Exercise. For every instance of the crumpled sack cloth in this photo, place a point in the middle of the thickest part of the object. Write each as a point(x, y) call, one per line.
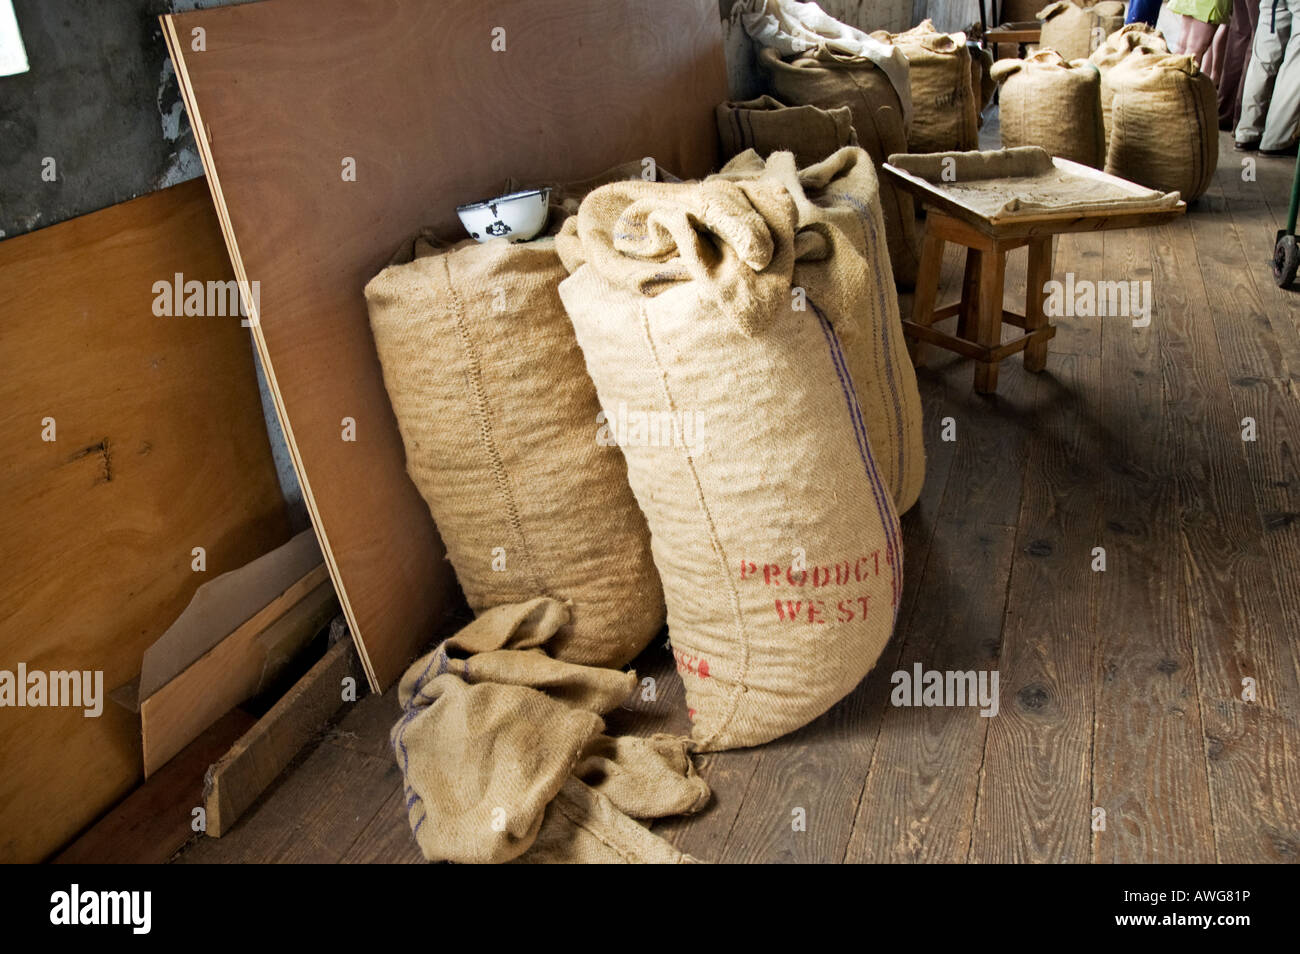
point(505, 758)
point(791, 28)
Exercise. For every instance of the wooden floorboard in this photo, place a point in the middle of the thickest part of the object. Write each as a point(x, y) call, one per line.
point(1121, 689)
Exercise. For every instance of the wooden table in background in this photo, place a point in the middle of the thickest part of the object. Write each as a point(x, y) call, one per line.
point(979, 312)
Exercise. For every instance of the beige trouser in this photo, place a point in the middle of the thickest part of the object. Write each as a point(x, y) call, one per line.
point(1270, 101)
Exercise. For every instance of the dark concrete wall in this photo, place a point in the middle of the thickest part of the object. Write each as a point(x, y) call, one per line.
point(101, 100)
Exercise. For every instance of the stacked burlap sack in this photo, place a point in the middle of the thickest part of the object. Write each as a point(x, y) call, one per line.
point(767, 125)
point(773, 526)
point(1163, 123)
point(1136, 39)
point(742, 298)
point(1075, 29)
point(499, 420)
point(807, 58)
point(1054, 104)
point(945, 103)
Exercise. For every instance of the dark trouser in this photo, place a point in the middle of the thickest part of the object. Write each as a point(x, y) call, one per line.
point(1241, 34)
point(1143, 11)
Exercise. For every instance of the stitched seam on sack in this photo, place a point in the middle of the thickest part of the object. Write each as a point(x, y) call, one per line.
point(738, 689)
point(882, 311)
point(573, 814)
point(884, 503)
point(480, 409)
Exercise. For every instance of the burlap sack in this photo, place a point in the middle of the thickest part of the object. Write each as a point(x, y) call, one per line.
point(1136, 39)
point(841, 198)
point(1164, 124)
point(817, 80)
point(499, 421)
point(1054, 104)
point(944, 105)
point(493, 730)
point(981, 79)
point(775, 534)
point(1075, 30)
point(767, 126)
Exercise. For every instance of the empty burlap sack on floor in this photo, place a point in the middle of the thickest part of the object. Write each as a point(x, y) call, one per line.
point(944, 101)
point(499, 421)
point(773, 530)
point(1075, 30)
point(1136, 39)
point(502, 747)
point(767, 126)
point(1164, 124)
point(819, 80)
point(1054, 104)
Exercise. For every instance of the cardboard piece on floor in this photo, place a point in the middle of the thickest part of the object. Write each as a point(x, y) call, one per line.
point(157, 819)
point(235, 669)
point(240, 776)
point(220, 606)
point(332, 130)
point(130, 438)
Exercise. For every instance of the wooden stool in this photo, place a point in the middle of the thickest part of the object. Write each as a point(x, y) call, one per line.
point(980, 313)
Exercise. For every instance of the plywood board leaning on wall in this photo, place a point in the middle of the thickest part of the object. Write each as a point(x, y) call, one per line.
point(158, 446)
point(332, 130)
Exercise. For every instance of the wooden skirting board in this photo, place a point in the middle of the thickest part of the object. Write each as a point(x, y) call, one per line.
point(159, 447)
point(332, 130)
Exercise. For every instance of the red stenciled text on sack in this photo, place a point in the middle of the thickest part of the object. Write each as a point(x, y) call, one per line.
point(693, 665)
point(811, 609)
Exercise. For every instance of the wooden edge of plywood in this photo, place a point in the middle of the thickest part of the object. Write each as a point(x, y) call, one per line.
point(236, 780)
point(229, 672)
point(177, 52)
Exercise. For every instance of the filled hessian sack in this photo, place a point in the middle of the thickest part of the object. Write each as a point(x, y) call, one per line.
point(819, 79)
point(944, 100)
point(1164, 124)
point(1054, 104)
point(1136, 39)
point(773, 530)
point(499, 421)
point(767, 126)
point(1075, 30)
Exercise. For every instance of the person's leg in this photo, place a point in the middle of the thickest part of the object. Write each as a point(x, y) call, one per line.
point(1213, 61)
point(1284, 109)
point(1265, 58)
point(1252, 21)
point(1236, 46)
point(1196, 38)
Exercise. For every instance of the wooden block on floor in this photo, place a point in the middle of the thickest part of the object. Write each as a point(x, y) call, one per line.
point(240, 776)
point(156, 820)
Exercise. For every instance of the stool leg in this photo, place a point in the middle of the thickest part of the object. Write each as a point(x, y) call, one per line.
point(1038, 274)
point(988, 331)
point(927, 288)
point(967, 318)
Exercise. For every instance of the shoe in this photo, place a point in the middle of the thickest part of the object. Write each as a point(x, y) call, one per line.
point(1250, 145)
point(1284, 151)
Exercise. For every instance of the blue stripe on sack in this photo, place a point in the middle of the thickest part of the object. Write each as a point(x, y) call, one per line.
point(878, 490)
point(869, 223)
